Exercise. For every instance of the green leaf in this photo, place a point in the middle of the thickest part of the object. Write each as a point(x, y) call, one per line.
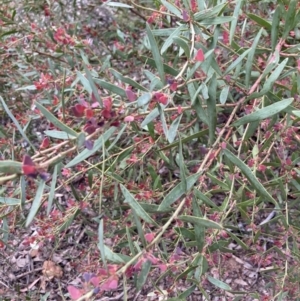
point(216, 20)
point(265, 112)
point(186, 139)
point(58, 135)
point(152, 63)
point(212, 109)
point(275, 27)
point(169, 41)
point(93, 86)
point(260, 21)
point(173, 9)
point(127, 80)
point(144, 99)
point(136, 206)
point(211, 12)
point(52, 189)
point(201, 221)
point(290, 18)
point(36, 203)
point(296, 113)
point(205, 199)
point(114, 257)
point(97, 145)
point(111, 87)
point(182, 166)
point(150, 117)
point(187, 292)
point(173, 129)
point(237, 61)
point(101, 245)
point(80, 139)
point(155, 52)
point(10, 167)
point(10, 201)
point(250, 176)
point(270, 81)
point(199, 230)
point(249, 63)
point(234, 22)
point(218, 283)
point(118, 4)
point(178, 191)
point(86, 84)
point(224, 95)
point(238, 241)
point(15, 121)
point(163, 120)
point(139, 227)
point(184, 45)
point(143, 275)
point(50, 117)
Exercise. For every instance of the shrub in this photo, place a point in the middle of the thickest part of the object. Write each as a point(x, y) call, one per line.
point(174, 141)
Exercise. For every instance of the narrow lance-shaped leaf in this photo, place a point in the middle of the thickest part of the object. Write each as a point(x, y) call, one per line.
point(182, 166)
point(52, 189)
point(217, 20)
point(97, 145)
point(173, 129)
point(142, 277)
point(237, 61)
point(101, 242)
point(201, 221)
point(50, 117)
point(212, 109)
point(184, 45)
point(15, 121)
point(208, 13)
point(199, 230)
point(173, 9)
point(249, 63)
point(262, 22)
point(275, 27)
point(234, 22)
point(178, 191)
point(169, 41)
point(250, 176)
point(290, 17)
point(218, 283)
point(265, 112)
point(155, 52)
point(93, 86)
point(136, 206)
point(36, 203)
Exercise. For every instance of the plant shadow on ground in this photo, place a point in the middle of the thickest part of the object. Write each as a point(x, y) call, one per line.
point(149, 152)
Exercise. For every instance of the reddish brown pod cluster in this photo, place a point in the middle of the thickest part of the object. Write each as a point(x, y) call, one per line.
point(93, 121)
point(33, 170)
